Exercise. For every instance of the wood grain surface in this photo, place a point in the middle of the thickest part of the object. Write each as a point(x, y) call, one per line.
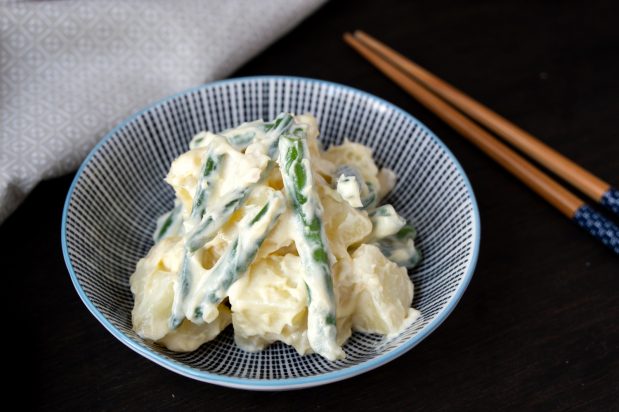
point(537, 329)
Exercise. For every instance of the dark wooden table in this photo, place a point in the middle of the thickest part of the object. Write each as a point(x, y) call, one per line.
point(538, 328)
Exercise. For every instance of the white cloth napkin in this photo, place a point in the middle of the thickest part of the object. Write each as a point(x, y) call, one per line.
point(71, 70)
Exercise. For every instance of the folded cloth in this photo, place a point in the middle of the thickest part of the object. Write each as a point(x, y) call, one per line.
point(71, 70)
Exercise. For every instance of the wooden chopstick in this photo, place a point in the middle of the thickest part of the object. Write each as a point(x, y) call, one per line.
point(541, 183)
point(583, 180)
point(566, 202)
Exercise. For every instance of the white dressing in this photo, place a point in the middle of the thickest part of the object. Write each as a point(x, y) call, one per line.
point(294, 251)
point(348, 188)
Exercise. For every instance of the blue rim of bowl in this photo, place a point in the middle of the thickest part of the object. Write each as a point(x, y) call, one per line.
point(274, 384)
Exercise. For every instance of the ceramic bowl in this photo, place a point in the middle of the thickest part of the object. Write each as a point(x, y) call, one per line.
point(119, 191)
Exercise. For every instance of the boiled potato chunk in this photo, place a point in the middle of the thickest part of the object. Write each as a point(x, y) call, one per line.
point(189, 336)
point(384, 293)
point(269, 303)
point(152, 285)
point(344, 225)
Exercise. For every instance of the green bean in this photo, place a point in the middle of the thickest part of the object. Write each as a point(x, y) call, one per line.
point(241, 141)
point(196, 141)
point(169, 224)
point(181, 292)
point(275, 130)
point(208, 176)
point(393, 236)
point(280, 124)
point(211, 223)
point(385, 222)
point(207, 221)
point(219, 215)
point(382, 211)
point(371, 198)
point(400, 247)
point(367, 190)
point(210, 170)
point(312, 245)
point(237, 258)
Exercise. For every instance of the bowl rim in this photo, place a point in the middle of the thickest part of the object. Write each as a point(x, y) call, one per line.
point(287, 383)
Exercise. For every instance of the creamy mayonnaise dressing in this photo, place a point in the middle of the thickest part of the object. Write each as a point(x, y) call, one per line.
point(278, 237)
point(212, 288)
point(349, 189)
point(385, 222)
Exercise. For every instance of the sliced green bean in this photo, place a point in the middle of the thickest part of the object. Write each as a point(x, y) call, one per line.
point(367, 190)
point(312, 245)
point(237, 258)
point(210, 224)
point(239, 141)
point(400, 247)
point(242, 140)
point(209, 172)
point(217, 216)
point(197, 141)
point(274, 130)
point(371, 198)
point(385, 222)
point(393, 236)
point(181, 291)
point(169, 224)
point(280, 124)
point(208, 220)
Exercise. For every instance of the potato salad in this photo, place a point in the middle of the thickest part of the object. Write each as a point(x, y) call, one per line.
point(280, 238)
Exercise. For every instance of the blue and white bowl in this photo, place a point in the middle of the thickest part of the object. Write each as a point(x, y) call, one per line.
point(119, 191)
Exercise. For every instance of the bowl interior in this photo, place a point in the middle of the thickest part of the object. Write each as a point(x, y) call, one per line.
point(119, 191)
